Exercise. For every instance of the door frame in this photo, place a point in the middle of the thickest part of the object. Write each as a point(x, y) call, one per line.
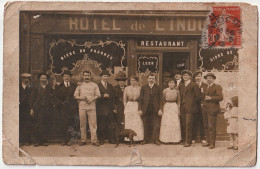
point(192, 48)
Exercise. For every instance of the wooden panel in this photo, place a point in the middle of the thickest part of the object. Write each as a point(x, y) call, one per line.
point(37, 55)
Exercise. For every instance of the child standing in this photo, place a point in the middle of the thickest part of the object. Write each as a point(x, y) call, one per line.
point(232, 115)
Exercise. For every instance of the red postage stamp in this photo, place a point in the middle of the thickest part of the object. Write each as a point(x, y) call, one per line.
point(225, 27)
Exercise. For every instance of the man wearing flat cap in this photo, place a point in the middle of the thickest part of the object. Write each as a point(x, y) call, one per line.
point(105, 108)
point(198, 122)
point(190, 97)
point(25, 120)
point(41, 106)
point(119, 92)
point(66, 105)
point(212, 96)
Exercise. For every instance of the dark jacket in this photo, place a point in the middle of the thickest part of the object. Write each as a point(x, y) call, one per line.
point(40, 97)
point(190, 97)
point(215, 92)
point(65, 95)
point(146, 98)
point(203, 88)
point(24, 96)
point(105, 106)
point(119, 103)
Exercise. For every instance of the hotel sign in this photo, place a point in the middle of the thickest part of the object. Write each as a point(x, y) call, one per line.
point(120, 24)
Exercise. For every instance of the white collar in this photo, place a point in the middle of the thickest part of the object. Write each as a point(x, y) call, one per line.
point(187, 82)
point(24, 85)
point(151, 85)
point(43, 86)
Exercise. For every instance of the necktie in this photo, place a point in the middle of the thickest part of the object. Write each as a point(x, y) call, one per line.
point(106, 85)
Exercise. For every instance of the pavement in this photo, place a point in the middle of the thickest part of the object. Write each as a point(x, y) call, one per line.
point(196, 155)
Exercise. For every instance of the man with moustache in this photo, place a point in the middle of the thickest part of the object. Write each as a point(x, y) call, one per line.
point(198, 123)
point(177, 76)
point(87, 93)
point(66, 105)
point(105, 109)
point(190, 97)
point(41, 105)
point(25, 120)
point(212, 96)
point(119, 92)
point(150, 107)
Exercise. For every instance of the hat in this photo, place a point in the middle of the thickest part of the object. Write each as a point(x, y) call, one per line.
point(67, 72)
point(43, 73)
point(104, 72)
point(25, 75)
point(196, 73)
point(210, 74)
point(186, 71)
point(121, 76)
point(176, 72)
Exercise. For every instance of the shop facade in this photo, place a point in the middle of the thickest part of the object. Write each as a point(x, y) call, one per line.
point(131, 41)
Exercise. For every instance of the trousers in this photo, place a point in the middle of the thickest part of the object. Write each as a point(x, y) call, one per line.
point(90, 117)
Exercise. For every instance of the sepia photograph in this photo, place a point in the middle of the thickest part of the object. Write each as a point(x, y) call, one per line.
point(130, 84)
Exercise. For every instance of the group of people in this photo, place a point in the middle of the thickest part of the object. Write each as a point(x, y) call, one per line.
point(172, 115)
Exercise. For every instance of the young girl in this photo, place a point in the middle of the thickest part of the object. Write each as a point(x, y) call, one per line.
point(170, 131)
point(232, 115)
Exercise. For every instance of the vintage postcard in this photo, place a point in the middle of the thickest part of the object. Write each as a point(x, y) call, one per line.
point(130, 84)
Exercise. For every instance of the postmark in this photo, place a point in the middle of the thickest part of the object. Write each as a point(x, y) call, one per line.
point(224, 29)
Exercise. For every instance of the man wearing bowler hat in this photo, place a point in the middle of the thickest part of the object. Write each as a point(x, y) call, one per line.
point(212, 96)
point(177, 76)
point(119, 92)
point(190, 97)
point(66, 105)
point(105, 108)
point(25, 121)
point(198, 117)
point(41, 106)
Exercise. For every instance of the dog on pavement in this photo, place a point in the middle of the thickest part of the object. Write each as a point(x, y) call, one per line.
point(120, 133)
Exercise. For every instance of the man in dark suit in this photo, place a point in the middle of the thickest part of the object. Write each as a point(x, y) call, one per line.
point(105, 109)
point(66, 105)
point(190, 98)
point(25, 120)
point(41, 105)
point(151, 107)
point(177, 76)
point(119, 92)
point(212, 96)
point(198, 122)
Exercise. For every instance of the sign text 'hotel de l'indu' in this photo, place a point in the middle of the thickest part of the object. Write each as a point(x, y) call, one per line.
point(149, 25)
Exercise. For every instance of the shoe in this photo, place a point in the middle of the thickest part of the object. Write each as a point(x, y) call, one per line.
point(101, 142)
point(82, 143)
point(36, 144)
point(205, 145)
point(193, 141)
point(211, 146)
point(203, 141)
point(187, 145)
point(45, 144)
point(69, 143)
point(27, 144)
point(230, 147)
point(96, 144)
point(63, 143)
point(157, 143)
point(143, 142)
point(235, 148)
